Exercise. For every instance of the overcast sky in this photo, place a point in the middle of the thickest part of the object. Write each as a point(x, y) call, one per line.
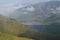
point(11, 5)
point(4, 3)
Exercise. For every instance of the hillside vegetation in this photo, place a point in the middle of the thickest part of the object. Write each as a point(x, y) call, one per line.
point(12, 27)
point(4, 36)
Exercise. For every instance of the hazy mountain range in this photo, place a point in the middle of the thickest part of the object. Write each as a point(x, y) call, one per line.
point(36, 14)
point(40, 21)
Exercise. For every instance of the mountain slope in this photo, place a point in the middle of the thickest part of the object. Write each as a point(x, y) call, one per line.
point(36, 13)
point(53, 24)
point(10, 25)
point(4, 36)
point(55, 18)
point(13, 27)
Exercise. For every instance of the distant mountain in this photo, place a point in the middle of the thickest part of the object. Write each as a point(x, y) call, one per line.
point(53, 24)
point(36, 14)
point(54, 18)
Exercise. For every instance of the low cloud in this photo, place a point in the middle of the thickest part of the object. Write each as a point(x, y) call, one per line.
point(30, 9)
point(9, 7)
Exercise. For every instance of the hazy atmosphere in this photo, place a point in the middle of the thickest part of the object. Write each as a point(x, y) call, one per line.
point(29, 19)
point(7, 6)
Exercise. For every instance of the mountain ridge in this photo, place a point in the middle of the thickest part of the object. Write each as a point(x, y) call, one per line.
point(37, 13)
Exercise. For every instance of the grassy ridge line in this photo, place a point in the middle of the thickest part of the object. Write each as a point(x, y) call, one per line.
point(11, 26)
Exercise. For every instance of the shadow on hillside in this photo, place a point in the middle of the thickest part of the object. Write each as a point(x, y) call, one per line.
point(55, 37)
point(52, 33)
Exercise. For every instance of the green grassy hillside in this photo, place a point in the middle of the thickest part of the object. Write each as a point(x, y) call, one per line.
point(13, 27)
point(4, 36)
